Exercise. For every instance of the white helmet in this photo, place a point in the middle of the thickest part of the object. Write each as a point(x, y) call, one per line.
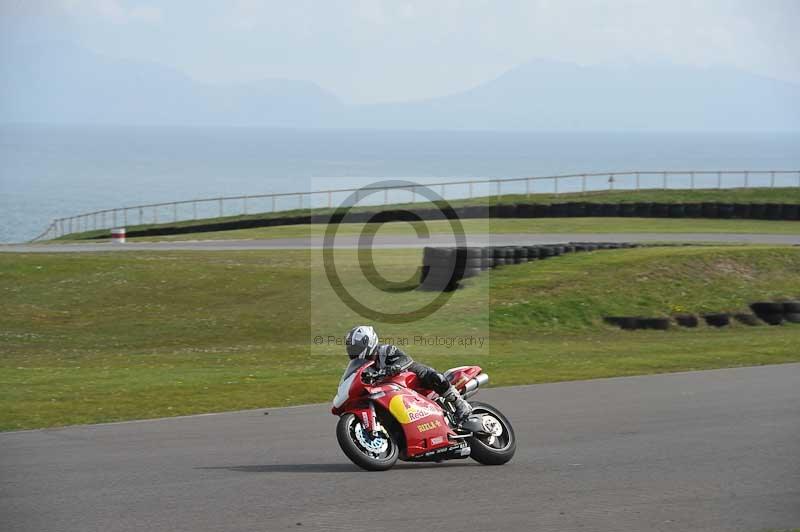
point(361, 341)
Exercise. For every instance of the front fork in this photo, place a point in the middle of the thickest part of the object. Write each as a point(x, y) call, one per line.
point(368, 419)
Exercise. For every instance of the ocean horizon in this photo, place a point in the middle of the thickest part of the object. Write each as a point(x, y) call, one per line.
point(49, 172)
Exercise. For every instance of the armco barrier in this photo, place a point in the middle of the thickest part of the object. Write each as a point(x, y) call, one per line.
point(187, 210)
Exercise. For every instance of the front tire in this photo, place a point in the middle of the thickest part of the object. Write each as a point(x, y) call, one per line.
point(364, 450)
point(493, 449)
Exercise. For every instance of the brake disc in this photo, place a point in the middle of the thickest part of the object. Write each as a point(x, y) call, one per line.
point(373, 444)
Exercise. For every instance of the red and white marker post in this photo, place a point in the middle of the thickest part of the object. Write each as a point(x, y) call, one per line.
point(118, 235)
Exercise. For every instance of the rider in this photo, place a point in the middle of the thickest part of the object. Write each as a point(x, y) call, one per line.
point(362, 342)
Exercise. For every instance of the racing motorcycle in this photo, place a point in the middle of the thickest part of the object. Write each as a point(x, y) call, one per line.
point(386, 418)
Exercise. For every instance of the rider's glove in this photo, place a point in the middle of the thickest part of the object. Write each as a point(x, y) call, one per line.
point(392, 370)
point(374, 376)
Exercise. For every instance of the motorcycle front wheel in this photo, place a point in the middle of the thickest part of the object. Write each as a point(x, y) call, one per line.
point(498, 446)
point(368, 451)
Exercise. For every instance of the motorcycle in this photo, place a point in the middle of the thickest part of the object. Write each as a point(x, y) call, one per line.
point(388, 418)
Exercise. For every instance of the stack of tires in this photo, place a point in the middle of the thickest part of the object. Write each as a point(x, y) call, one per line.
point(630, 323)
point(443, 268)
point(771, 312)
point(775, 313)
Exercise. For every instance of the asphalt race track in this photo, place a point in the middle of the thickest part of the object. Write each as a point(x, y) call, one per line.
point(714, 450)
point(402, 241)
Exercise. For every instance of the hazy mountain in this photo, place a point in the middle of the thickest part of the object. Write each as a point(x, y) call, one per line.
point(557, 96)
point(67, 84)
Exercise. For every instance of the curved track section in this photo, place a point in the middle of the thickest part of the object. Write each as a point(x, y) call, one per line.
point(714, 450)
point(399, 241)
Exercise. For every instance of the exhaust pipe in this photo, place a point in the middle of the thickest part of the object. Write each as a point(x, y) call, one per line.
point(472, 385)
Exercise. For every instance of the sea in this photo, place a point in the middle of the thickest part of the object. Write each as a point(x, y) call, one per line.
point(49, 172)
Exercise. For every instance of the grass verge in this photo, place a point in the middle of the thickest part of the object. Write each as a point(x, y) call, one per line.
point(106, 337)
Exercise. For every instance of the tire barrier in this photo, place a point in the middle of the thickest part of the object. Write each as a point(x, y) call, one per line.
point(658, 324)
point(759, 211)
point(444, 268)
point(687, 320)
point(717, 319)
point(769, 312)
point(660, 210)
point(623, 322)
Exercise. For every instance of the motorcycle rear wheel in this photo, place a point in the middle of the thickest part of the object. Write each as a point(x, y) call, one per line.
point(350, 440)
point(497, 450)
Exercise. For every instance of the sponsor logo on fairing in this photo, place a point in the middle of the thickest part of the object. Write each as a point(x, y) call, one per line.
point(407, 410)
point(425, 427)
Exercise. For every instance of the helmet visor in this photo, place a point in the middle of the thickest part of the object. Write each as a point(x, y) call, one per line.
point(355, 350)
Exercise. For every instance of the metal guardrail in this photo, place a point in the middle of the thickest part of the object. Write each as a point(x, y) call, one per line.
point(153, 213)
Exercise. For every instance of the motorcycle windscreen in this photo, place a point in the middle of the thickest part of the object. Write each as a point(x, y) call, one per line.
point(347, 381)
point(352, 367)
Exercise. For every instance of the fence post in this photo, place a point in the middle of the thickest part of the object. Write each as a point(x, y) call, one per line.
point(194, 210)
point(330, 200)
point(273, 203)
point(746, 179)
point(719, 179)
point(470, 187)
point(220, 207)
point(155, 215)
point(386, 196)
point(300, 200)
point(772, 179)
point(555, 184)
point(125, 217)
point(94, 221)
point(141, 216)
point(114, 215)
point(637, 180)
point(664, 183)
point(583, 183)
point(102, 220)
point(691, 182)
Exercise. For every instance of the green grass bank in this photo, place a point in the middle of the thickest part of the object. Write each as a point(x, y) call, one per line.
point(96, 337)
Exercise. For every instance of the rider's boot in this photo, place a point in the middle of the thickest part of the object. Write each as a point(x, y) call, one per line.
point(463, 408)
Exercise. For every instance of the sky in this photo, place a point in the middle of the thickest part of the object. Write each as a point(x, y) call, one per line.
point(371, 51)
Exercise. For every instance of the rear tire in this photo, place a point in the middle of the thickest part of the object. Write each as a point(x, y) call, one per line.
point(346, 434)
point(486, 454)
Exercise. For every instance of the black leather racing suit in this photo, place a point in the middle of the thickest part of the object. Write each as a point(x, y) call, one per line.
point(391, 360)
